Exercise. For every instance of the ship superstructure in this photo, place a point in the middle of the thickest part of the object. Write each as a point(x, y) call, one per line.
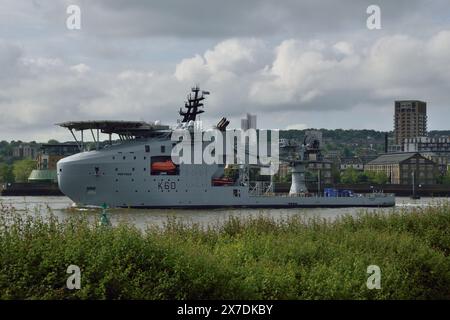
point(139, 171)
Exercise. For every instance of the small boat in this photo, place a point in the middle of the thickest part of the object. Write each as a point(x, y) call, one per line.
point(164, 166)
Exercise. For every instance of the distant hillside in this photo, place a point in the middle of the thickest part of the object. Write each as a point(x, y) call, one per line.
point(338, 135)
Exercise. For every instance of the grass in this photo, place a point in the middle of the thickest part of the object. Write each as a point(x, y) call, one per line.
point(257, 258)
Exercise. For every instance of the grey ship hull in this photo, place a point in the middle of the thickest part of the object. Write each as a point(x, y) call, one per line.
point(120, 176)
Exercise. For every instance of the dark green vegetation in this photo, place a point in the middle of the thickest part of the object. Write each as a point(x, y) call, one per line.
point(17, 172)
point(353, 176)
point(252, 259)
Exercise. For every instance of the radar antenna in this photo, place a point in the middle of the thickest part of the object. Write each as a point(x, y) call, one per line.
point(193, 102)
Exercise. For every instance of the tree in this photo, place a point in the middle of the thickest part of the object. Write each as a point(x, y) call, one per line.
point(381, 178)
point(377, 177)
point(446, 178)
point(363, 177)
point(335, 173)
point(22, 169)
point(6, 173)
point(350, 176)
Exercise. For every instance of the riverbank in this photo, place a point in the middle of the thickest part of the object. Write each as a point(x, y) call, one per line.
point(256, 258)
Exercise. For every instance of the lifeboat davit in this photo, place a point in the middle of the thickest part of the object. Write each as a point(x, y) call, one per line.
point(164, 166)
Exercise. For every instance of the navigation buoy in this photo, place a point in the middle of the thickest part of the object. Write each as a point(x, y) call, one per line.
point(104, 218)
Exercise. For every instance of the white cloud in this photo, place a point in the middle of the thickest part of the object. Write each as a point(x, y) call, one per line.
point(297, 126)
point(80, 68)
point(243, 75)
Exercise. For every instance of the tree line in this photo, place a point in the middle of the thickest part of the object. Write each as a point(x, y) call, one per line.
point(19, 171)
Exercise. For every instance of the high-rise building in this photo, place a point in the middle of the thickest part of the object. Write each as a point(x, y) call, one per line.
point(410, 120)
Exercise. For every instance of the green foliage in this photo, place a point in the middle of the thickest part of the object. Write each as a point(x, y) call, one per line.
point(336, 173)
point(22, 169)
point(445, 179)
point(6, 173)
point(352, 176)
point(258, 258)
point(381, 178)
point(349, 175)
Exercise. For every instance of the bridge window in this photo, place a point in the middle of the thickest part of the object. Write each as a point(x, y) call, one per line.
point(147, 149)
point(163, 149)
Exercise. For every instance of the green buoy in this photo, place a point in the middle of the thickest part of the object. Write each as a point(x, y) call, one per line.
point(104, 218)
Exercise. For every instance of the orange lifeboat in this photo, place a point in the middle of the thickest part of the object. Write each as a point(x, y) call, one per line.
point(163, 166)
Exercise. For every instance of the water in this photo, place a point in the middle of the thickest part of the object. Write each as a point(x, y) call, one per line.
point(142, 218)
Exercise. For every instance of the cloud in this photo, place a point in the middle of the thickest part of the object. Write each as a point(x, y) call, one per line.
point(297, 126)
point(291, 63)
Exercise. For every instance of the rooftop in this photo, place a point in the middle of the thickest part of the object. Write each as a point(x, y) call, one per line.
point(389, 158)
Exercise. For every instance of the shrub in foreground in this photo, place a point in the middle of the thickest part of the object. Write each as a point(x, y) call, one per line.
point(257, 258)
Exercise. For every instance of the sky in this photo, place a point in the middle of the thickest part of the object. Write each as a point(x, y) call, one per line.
point(295, 63)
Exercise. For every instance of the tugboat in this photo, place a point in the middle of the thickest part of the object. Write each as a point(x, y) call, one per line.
point(138, 171)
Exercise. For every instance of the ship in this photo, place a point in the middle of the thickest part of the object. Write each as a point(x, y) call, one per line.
point(138, 170)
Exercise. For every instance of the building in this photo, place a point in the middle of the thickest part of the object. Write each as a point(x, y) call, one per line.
point(354, 163)
point(284, 170)
point(435, 149)
point(333, 156)
point(322, 168)
point(47, 158)
point(249, 122)
point(400, 168)
point(410, 120)
point(427, 144)
point(25, 151)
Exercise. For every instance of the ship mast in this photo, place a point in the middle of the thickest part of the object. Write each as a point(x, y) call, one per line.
point(194, 101)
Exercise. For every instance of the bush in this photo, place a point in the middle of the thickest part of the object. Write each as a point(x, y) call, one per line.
point(256, 258)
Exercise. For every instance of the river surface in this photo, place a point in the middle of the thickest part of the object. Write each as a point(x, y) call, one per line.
point(143, 218)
